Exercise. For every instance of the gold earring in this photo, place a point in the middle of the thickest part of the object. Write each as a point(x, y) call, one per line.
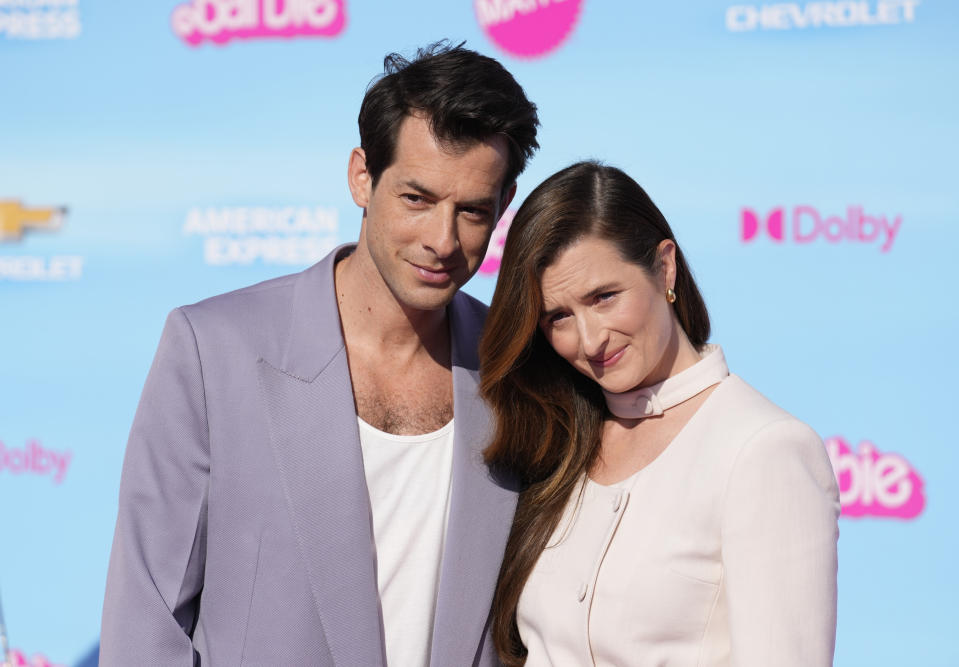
point(670, 295)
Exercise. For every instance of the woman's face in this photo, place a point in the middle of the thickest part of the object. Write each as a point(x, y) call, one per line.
point(608, 317)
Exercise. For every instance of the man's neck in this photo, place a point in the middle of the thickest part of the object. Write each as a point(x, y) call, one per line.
point(373, 319)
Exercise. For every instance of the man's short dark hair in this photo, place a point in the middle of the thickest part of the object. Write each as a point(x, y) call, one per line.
point(466, 97)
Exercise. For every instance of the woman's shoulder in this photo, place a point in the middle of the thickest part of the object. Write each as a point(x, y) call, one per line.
point(773, 454)
point(736, 391)
point(753, 444)
point(741, 413)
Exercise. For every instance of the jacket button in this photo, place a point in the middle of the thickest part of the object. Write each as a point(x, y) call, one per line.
point(583, 588)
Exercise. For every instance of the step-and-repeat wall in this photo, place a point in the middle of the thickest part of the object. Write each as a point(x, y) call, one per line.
point(152, 154)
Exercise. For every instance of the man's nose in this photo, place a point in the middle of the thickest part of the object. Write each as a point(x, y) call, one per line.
point(441, 234)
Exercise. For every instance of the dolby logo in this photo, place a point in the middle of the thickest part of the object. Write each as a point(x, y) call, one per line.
point(806, 224)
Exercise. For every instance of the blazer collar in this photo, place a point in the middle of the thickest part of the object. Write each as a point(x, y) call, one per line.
point(315, 335)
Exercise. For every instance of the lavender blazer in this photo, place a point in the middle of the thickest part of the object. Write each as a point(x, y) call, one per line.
point(244, 533)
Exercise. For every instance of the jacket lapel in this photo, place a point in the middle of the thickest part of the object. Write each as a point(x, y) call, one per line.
point(481, 510)
point(315, 440)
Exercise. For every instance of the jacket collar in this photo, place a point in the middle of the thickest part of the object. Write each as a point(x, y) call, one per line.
point(315, 336)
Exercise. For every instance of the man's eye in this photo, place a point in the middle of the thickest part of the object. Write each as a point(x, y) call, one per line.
point(476, 212)
point(413, 199)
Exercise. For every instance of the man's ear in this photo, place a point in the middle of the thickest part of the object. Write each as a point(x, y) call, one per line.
point(360, 180)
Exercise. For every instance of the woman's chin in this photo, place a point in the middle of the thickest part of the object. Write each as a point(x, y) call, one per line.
point(613, 387)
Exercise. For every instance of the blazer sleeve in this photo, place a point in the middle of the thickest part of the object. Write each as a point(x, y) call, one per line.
point(156, 564)
point(779, 549)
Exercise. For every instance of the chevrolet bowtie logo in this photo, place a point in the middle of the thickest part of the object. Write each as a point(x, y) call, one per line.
point(14, 218)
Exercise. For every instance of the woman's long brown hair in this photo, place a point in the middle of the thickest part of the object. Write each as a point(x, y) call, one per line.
point(549, 417)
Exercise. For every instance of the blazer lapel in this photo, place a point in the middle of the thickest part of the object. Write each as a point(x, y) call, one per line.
point(315, 440)
point(481, 510)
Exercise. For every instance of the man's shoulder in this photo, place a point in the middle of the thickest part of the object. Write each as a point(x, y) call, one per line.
point(269, 299)
point(247, 314)
point(240, 301)
point(470, 308)
point(261, 316)
point(468, 315)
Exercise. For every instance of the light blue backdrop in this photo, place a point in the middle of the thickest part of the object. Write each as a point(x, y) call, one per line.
point(131, 130)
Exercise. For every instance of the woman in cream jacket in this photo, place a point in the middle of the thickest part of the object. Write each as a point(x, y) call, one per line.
point(671, 515)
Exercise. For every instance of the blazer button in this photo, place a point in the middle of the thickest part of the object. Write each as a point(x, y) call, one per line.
point(583, 588)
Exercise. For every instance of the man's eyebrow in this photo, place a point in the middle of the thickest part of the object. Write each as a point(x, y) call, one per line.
point(483, 202)
point(596, 291)
point(422, 189)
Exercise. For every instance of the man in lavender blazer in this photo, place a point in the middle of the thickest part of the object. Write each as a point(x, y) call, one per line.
point(246, 533)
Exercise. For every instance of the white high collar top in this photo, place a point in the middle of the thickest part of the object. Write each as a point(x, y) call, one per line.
point(653, 400)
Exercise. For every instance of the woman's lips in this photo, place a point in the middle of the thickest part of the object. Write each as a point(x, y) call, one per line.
point(606, 362)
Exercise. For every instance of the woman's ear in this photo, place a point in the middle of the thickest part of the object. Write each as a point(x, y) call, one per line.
point(666, 253)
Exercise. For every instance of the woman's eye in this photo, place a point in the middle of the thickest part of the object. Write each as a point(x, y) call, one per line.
point(605, 296)
point(556, 317)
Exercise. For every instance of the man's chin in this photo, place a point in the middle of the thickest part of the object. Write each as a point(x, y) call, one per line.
point(429, 298)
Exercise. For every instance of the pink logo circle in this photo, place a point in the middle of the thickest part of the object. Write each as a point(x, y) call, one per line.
point(527, 28)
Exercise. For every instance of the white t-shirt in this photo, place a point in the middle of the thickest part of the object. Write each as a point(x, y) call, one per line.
point(408, 477)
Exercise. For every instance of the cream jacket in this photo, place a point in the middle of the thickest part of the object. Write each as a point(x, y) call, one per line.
point(720, 552)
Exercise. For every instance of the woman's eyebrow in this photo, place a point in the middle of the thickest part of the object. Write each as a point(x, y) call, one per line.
point(594, 292)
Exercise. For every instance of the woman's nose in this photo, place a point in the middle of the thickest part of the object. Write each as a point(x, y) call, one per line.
point(593, 335)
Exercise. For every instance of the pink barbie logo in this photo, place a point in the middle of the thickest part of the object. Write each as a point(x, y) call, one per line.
point(222, 20)
point(807, 225)
point(875, 484)
point(527, 28)
point(33, 459)
point(494, 254)
point(18, 659)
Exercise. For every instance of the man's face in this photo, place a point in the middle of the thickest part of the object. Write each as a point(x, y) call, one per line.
point(429, 218)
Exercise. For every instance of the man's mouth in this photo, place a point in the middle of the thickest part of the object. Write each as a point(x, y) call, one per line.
point(433, 274)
